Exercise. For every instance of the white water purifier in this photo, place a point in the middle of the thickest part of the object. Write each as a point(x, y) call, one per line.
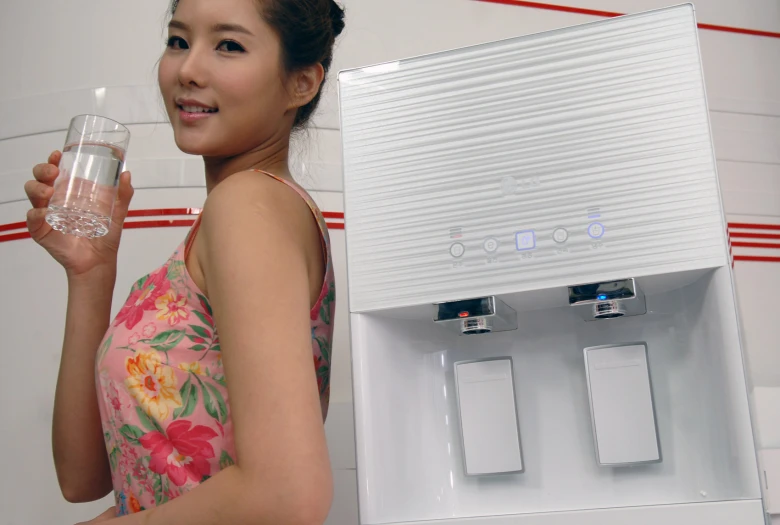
point(543, 321)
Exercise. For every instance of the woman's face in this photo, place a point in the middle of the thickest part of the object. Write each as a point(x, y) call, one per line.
point(222, 78)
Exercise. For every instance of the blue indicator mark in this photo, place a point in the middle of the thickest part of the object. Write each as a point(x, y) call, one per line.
point(596, 230)
point(593, 213)
point(525, 240)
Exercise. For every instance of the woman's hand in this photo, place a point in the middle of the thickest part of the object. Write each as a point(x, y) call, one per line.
point(108, 515)
point(78, 255)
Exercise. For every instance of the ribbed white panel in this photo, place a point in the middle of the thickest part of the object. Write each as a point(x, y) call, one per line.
point(530, 134)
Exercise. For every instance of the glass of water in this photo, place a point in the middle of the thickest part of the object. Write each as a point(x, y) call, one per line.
point(86, 187)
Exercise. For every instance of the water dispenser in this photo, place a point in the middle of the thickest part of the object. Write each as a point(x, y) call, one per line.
point(544, 329)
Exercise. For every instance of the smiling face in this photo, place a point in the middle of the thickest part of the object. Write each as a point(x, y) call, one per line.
point(222, 78)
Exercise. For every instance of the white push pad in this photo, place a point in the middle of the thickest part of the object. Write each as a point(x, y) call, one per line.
point(769, 461)
point(621, 404)
point(488, 417)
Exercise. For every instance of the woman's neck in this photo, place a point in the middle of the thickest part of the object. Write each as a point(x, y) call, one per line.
point(270, 157)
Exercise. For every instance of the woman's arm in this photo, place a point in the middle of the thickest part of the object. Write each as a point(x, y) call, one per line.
point(257, 244)
point(79, 450)
point(80, 457)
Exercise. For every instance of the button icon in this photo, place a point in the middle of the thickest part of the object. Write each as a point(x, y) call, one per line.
point(596, 230)
point(508, 185)
point(525, 240)
point(560, 235)
point(457, 249)
point(490, 245)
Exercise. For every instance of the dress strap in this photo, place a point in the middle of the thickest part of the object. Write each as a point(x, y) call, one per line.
point(191, 236)
point(320, 219)
point(324, 236)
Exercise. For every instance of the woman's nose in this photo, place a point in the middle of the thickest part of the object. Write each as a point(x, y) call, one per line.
point(192, 72)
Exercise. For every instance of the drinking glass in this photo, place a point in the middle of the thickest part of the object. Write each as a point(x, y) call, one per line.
point(86, 187)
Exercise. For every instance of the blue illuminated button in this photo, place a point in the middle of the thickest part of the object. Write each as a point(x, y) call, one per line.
point(525, 240)
point(596, 230)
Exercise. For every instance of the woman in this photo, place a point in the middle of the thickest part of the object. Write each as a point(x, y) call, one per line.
point(212, 380)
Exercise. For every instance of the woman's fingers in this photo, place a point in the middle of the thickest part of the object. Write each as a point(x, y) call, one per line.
point(39, 193)
point(36, 223)
point(123, 198)
point(46, 173)
point(55, 157)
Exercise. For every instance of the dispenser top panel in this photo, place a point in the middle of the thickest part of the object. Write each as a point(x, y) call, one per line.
point(577, 155)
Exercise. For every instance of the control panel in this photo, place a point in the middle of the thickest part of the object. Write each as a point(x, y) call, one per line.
point(586, 232)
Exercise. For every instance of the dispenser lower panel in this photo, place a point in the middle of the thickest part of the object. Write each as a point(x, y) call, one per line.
point(488, 417)
point(411, 411)
point(621, 405)
point(726, 513)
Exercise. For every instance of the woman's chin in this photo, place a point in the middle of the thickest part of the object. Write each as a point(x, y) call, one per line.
point(194, 147)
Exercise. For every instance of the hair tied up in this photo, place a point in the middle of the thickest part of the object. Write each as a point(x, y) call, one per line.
point(337, 18)
point(307, 31)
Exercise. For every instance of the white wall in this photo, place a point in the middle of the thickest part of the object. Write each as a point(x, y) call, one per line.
point(62, 58)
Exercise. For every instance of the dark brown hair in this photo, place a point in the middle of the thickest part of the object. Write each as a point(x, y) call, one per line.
point(307, 30)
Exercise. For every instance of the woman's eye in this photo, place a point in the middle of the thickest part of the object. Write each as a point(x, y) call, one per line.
point(176, 42)
point(230, 46)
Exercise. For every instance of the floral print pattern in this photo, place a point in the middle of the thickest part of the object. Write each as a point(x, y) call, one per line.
point(142, 298)
point(181, 454)
point(171, 307)
point(163, 396)
point(152, 384)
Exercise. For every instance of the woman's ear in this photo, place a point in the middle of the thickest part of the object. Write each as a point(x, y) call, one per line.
point(304, 84)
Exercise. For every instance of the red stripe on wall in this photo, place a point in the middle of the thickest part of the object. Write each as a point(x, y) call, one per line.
point(555, 7)
point(14, 236)
point(739, 30)
point(748, 226)
point(748, 235)
point(770, 245)
point(12, 226)
point(756, 258)
point(610, 14)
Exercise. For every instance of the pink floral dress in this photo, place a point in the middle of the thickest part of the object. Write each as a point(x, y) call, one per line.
point(162, 393)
